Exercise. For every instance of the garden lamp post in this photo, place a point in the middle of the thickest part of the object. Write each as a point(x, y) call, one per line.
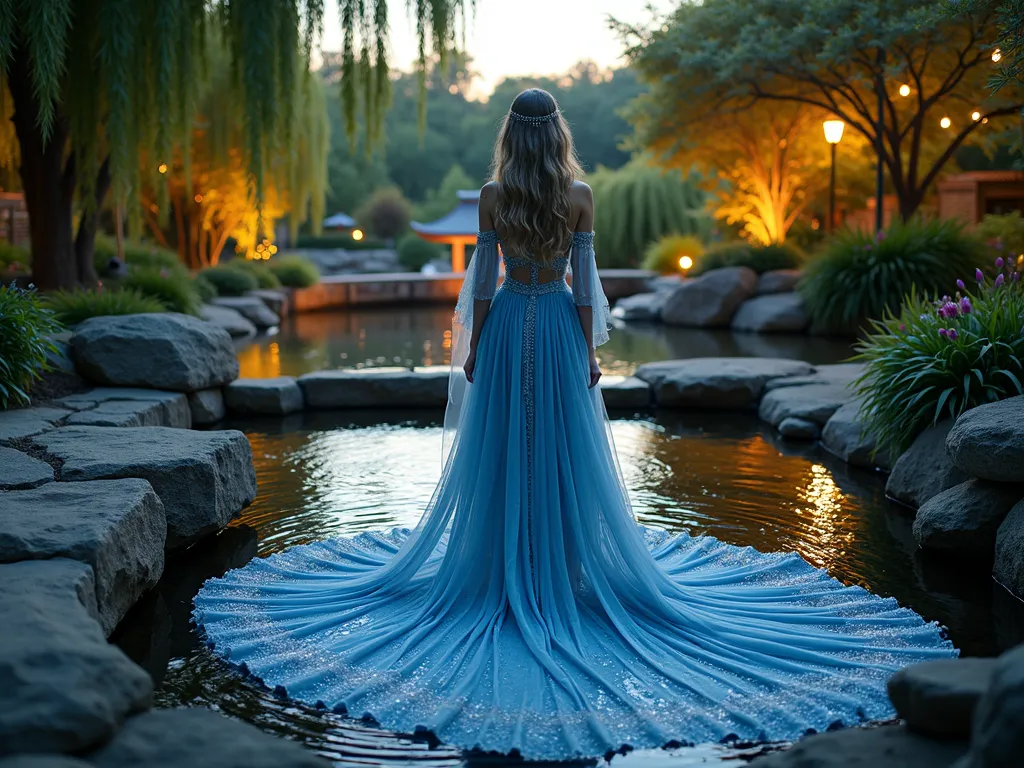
point(833, 135)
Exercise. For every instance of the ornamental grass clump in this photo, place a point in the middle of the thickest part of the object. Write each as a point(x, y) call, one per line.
point(25, 330)
point(174, 288)
point(74, 306)
point(938, 358)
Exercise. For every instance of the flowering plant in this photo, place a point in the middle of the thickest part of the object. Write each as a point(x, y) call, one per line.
point(936, 359)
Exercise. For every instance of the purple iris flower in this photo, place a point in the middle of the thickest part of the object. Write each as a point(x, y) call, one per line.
point(1000, 279)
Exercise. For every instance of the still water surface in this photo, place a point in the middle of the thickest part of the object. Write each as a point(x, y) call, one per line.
point(324, 475)
point(422, 336)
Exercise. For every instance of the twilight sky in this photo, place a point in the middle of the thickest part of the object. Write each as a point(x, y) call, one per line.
point(520, 37)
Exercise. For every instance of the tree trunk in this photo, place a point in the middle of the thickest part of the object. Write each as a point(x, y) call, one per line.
point(85, 240)
point(49, 191)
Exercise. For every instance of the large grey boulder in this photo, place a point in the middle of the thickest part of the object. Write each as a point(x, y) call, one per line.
point(376, 387)
point(625, 392)
point(19, 471)
point(203, 478)
point(988, 441)
point(814, 402)
point(999, 717)
point(924, 469)
point(963, 520)
point(117, 527)
point(230, 320)
point(159, 351)
point(207, 406)
point(846, 436)
point(641, 306)
point(716, 382)
point(1008, 568)
point(710, 301)
point(128, 407)
point(264, 397)
point(63, 687)
point(937, 698)
point(773, 313)
point(252, 308)
point(880, 747)
point(174, 738)
point(778, 281)
point(25, 422)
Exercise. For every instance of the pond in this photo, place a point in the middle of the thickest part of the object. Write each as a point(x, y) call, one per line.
point(422, 336)
point(328, 474)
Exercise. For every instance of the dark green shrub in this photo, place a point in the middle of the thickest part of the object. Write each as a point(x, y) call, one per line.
point(258, 269)
point(333, 242)
point(174, 288)
point(861, 277)
point(663, 256)
point(230, 281)
point(71, 307)
point(936, 359)
point(136, 254)
point(294, 271)
point(207, 291)
point(414, 253)
point(760, 258)
point(386, 214)
point(1003, 234)
point(25, 327)
point(14, 259)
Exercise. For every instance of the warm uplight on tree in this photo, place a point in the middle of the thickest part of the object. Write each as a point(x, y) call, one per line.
point(945, 122)
point(357, 234)
point(685, 262)
point(162, 167)
point(975, 115)
point(904, 90)
point(997, 55)
point(833, 131)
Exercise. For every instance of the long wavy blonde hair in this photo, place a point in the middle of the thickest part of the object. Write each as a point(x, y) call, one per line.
point(534, 166)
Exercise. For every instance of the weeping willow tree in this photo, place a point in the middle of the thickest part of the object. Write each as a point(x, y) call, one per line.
point(640, 203)
point(98, 86)
point(205, 195)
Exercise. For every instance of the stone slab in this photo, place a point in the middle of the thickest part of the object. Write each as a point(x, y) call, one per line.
point(641, 306)
point(843, 374)
point(230, 320)
point(164, 350)
point(252, 308)
point(376, 387)
point(964, 520)
point(117, 527)
point(128, 407)
point(1008, 568)
point(197, 737)
point(276, 300)
point(19, 471)
point(204, 479)
point(772, 313)
point(25, 422)
point(999, 717)
point(625, 392)
point(938, 698)
point(207, 406)
point(716, 382)
point(846, 436)
point(65, 688)
point(799, 429)
point(890, 746)
point(924, 469)
point(814, 402)
point(264, 397)
point(988, 441)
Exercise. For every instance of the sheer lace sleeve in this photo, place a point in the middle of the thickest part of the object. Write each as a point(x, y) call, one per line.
point(481, 280)
point(586, 284)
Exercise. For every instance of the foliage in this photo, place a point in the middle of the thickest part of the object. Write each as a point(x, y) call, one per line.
point(258, 269)
point(1003, 233)
point(332, 242)
point(414, 252)
point(760, 258)
point(230, 281)
point(720, 58)
point(663, 254)
point(25, 328)
point(294, 271)
point(386, 214)
point(441, 200)
point(860, 276)
point(136, 254)
point(936, 359)
point(206, 290)
point(174, 288)
point(78, 304)
point(14, 258)
point(640, 203)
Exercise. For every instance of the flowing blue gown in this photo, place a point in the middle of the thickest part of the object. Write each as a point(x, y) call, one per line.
point(528, 611)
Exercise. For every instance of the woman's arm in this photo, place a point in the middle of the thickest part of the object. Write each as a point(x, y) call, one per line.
point(489, 273)
point(583, 199)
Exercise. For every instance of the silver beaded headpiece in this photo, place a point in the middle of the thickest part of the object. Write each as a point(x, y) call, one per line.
point(530, 120)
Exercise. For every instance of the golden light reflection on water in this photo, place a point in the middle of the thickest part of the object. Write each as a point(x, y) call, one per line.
point(826, 516)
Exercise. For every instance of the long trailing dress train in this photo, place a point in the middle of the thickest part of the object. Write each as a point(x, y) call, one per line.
point(528, 611)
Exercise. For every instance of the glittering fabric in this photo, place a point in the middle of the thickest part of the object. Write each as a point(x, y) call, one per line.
point(529, 611)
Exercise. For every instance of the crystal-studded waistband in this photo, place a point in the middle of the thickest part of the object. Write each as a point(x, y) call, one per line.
point(513, 285)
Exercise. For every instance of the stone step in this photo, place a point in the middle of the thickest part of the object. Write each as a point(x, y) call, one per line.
point(128, 407)
point(264, 397)
point(376, 387)
point(19, 471)
point(716, 382)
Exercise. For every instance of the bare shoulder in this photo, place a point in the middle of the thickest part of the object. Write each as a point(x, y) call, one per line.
point(488, 195)
point(581, 194)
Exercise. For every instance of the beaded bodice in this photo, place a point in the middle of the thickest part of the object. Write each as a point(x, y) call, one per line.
point(486, 241)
